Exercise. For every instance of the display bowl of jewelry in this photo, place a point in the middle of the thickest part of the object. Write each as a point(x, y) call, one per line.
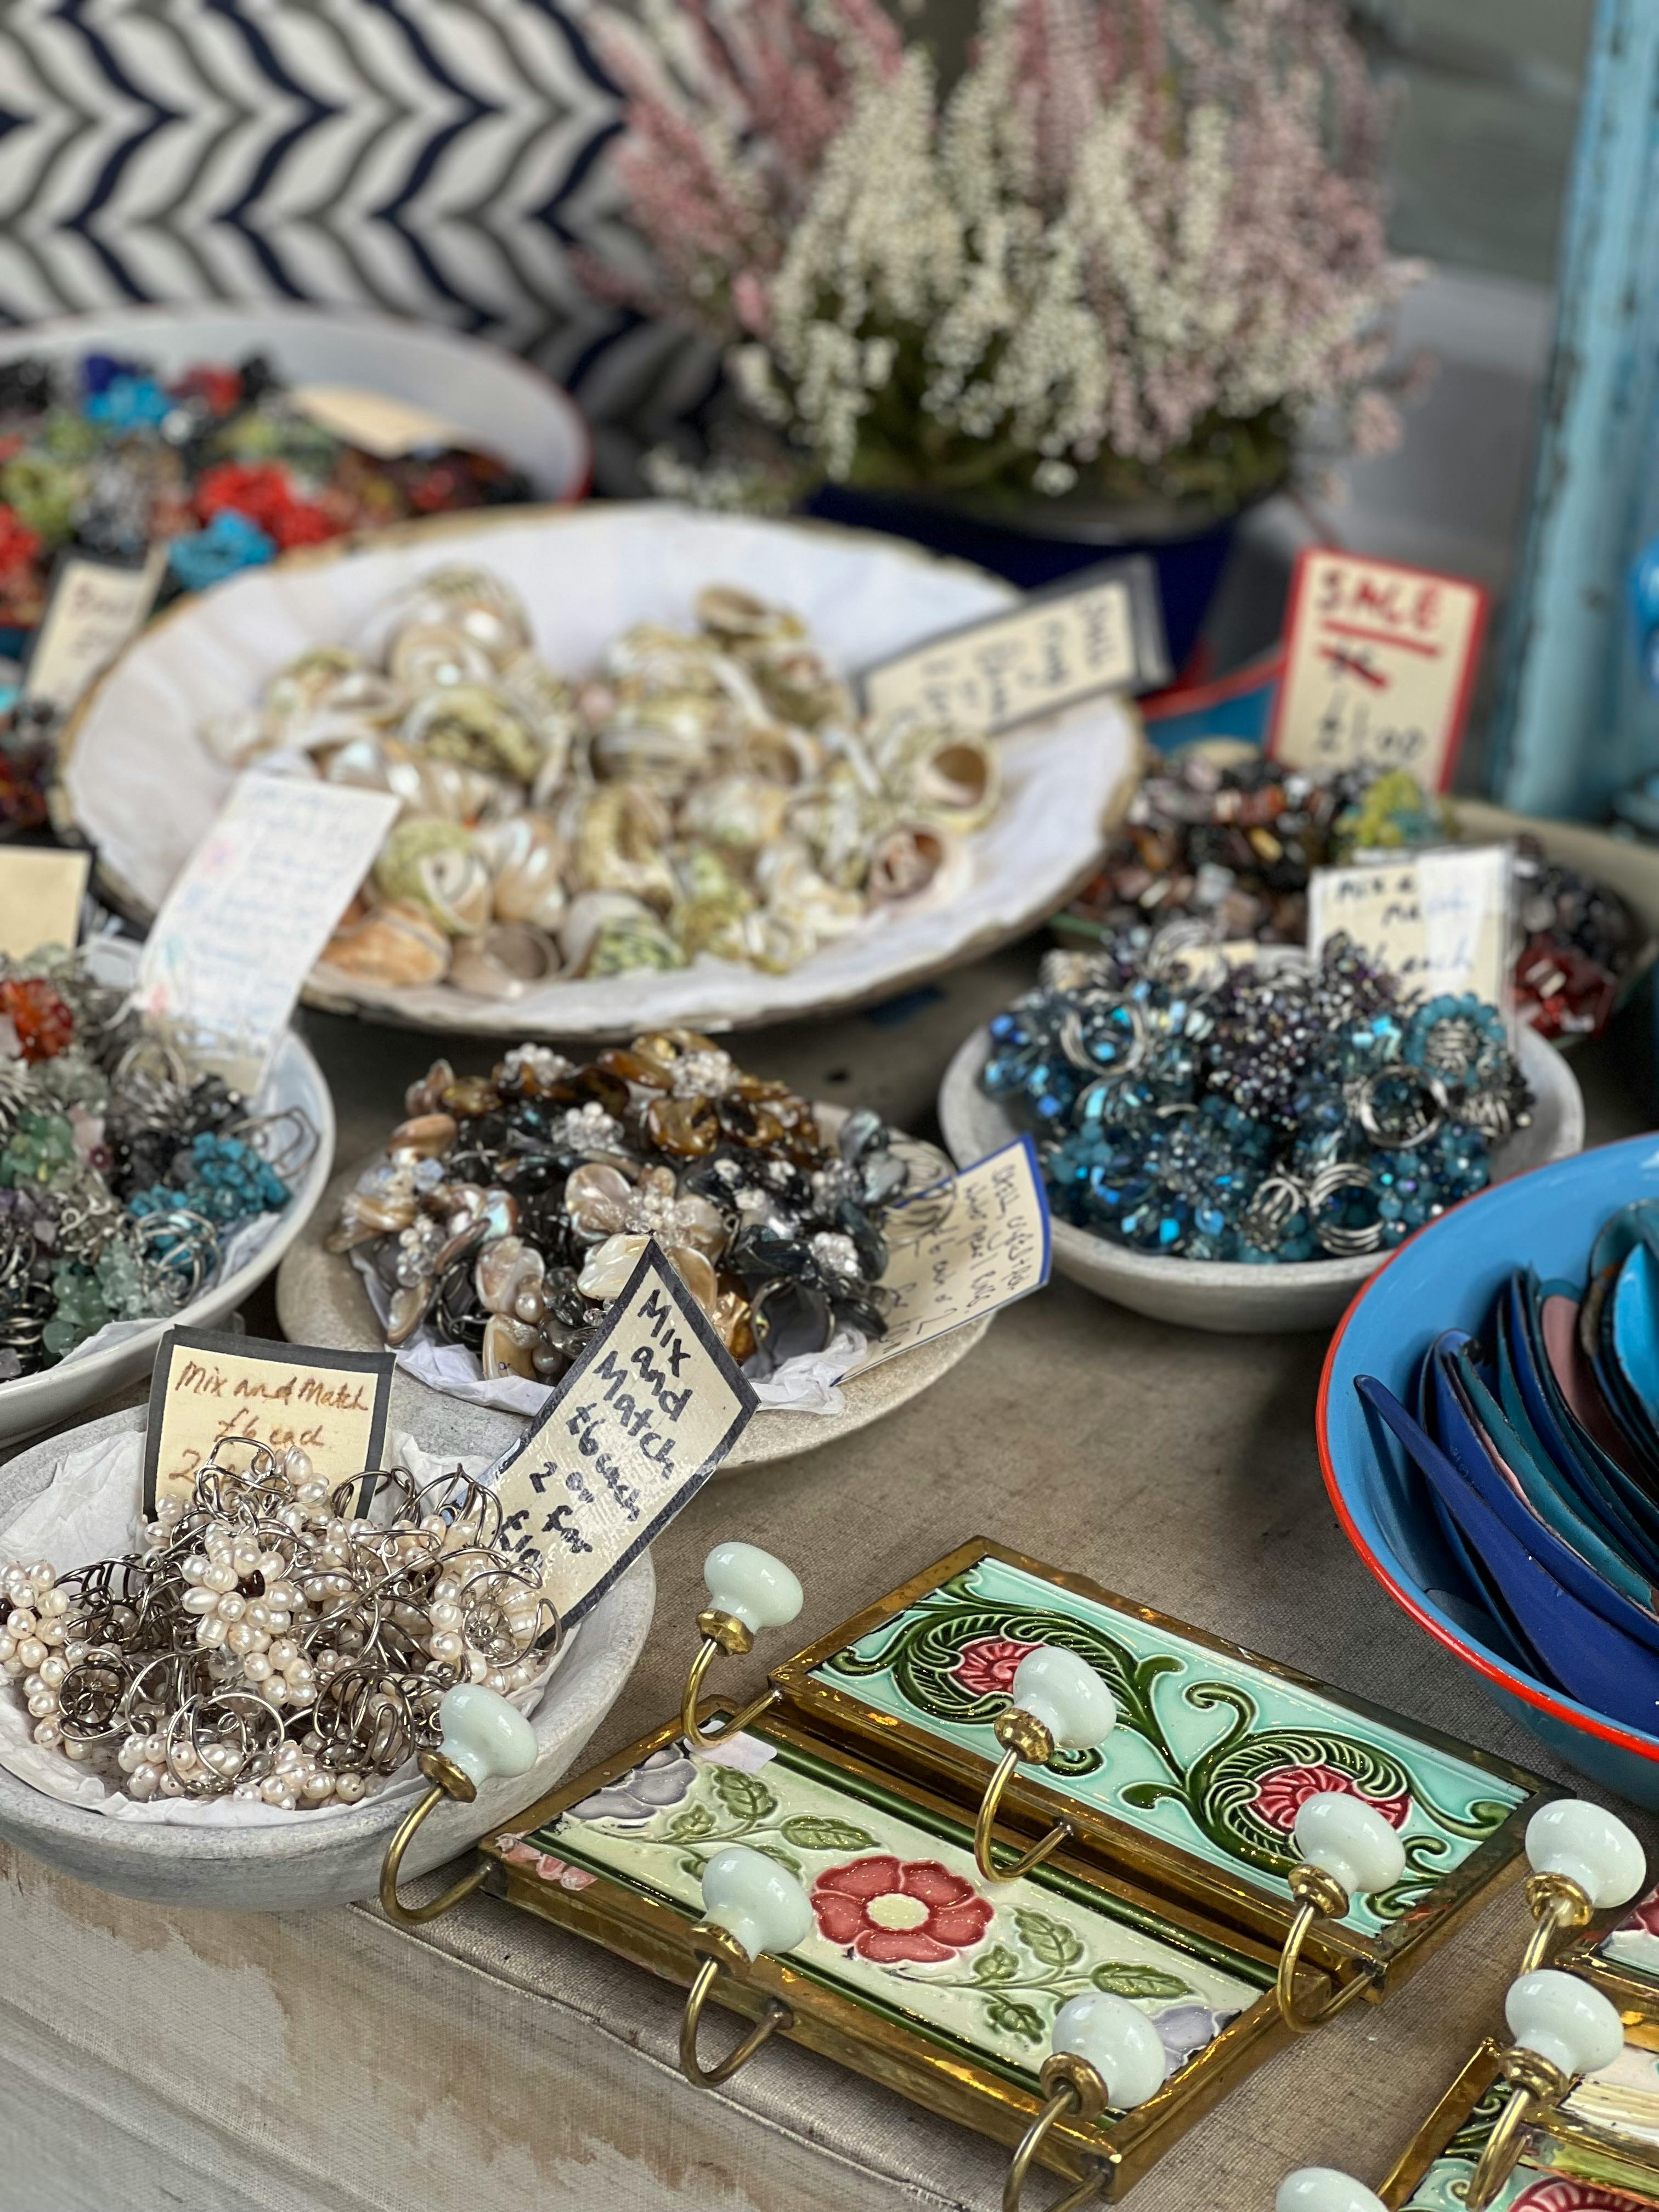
point(137, 1190)
point(1233, 840)
point(223, 1706)
point(485, 1245)
point(230, 434)
point(1236, 1145)
point(638, 788)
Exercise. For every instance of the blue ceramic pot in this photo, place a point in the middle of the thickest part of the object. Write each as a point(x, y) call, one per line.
point(1188, 559)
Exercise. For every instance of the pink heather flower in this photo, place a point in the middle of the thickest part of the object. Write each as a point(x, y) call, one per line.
point(1123, 224)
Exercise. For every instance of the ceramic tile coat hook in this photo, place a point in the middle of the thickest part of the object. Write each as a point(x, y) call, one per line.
point(1584, 1860)
point(483, 1736)
point(1105, 2054)
point(751, 1905)
point(1058, 1704)
point(1322, 2189)
point(1562, 2028)
point(1347, 1850)
point(748, 1590)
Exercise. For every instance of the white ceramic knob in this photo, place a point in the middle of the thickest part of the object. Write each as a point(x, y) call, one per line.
point(1348, 1839)
point(482, 1733)
point(1565, 2021)
point(751, 1584)
point(1065, 1694)
point(1121, 2043)
point(1591, 1846)
point(1322, 2189)
point(756, 1901)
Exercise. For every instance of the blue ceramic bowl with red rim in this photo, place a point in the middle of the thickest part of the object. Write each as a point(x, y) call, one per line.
point(1446, 1277)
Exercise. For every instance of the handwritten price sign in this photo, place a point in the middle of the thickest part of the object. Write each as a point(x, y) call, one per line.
point(1102, 632)
point(991, 1248)
point(1439, 919)
point(1379, 661)
point(207, 1385)
point(641, 1421)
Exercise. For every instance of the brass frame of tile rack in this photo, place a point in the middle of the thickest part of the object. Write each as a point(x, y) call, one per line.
point(1636, 1993)
point(1557, 2142)
point(920, 2064)
point(1032, 1806)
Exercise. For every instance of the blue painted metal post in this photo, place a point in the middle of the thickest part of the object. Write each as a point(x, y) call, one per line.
point(1574, 721)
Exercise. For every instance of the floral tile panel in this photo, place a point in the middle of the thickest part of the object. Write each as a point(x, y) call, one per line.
point(1634, 1943)
point(901, 1916)
point(1623, 2098)
point(1209, 1753)
point(1444, 2188)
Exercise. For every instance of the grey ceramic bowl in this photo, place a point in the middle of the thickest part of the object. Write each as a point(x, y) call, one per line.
point(320, 1299)
point(1227, 1296)
point(314, 1859)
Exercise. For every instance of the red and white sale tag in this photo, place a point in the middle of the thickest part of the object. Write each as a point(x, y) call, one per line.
point(1379, 665)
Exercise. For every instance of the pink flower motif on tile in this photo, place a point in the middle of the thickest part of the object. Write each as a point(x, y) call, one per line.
point(987, 1667)
point(1569, 2197)
point(887, 1909)
point(520, 1852)
point(1281, 1794)
point(1644, 1919)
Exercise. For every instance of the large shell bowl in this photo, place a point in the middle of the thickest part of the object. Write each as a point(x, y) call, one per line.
point(145, 786)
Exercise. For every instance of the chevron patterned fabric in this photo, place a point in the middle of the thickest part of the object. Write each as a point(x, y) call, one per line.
point(433, 158)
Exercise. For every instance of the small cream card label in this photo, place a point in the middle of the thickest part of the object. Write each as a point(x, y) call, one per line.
point(990, 1248)
point(1379, 664)
point(1439, 919)
point(252, 909)
point(1102, 631)
point(638, 1426)
point(92, 607)
point(208, 1385)
point(375, 420)
point(41, 892)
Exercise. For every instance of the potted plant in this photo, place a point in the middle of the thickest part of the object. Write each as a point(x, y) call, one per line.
point(1104, 292)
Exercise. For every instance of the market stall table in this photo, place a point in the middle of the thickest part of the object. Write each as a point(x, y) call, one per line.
point(332, 2062)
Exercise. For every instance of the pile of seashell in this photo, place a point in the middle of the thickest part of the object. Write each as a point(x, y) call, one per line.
point(271, 1642)
point(510, 1209)
point(711, 792)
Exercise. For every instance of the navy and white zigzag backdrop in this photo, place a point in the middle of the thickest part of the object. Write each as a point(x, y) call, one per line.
point(435, 158)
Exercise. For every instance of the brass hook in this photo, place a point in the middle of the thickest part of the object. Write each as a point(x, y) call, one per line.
point(1023, 1738)
point(448, 1780)
point(721, 1632)
point(1072, 2086)
point(1319, 1896)
point(1537, 2085)
point(1559, 1906)
point(717, 1950)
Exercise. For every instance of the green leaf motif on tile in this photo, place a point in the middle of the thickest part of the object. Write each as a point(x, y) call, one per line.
point(809, 1832)
point(1021, 2019)
point(696, 1820)
point(693, 1867)
point(999, 1964)
point(744, 1793)
point(784, 1859)
point(1051, 1940)
point(1120, 1979)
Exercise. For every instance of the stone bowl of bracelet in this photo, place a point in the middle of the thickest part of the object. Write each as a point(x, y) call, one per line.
point(1237, 1147)
point(262, 1776)
point(137, 1193)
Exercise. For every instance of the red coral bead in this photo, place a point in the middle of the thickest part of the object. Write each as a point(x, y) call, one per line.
point(43, 1022)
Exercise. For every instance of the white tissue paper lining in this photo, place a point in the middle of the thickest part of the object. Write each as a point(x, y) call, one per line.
point(806, 1384)
point(92, 1509)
